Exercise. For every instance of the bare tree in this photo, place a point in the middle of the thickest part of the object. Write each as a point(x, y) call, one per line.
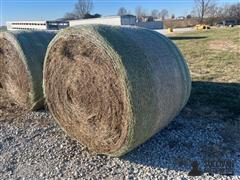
point(234, 10)
point(212, 14)
point(82, 10)
point(139, 12)
point(70, 16)
point(155, 13)
point(163, 14)
point(220, 12)
point(228, 10)
point(203, 8)
point(213, 11)
point(122, 11)
point(83, 7)
point(224, 11)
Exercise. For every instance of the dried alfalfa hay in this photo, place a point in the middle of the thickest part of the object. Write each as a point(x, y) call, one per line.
point(112, 88)
point(21, 61)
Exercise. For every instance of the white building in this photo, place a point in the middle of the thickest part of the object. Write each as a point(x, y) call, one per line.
point(36, 25)
point(109, 20)
point(56, 25)
point(28, 25)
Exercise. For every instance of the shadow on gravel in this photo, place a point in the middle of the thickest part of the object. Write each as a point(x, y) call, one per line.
point(207, 129)
point(186, 37)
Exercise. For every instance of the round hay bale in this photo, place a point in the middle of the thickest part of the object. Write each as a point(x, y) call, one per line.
point(21, 62)
point(112, 88)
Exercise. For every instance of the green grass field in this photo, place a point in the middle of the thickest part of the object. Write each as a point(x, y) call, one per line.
point(213, 57)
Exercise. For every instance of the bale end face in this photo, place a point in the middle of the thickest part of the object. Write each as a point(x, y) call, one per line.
point(21, 60)
point(89, 98)
point(14, 77)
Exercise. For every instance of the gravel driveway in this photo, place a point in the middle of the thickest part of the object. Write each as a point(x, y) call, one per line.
point(176, 30)
point(32, 146)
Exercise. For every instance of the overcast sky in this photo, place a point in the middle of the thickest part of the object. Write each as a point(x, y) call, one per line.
point(53, 9)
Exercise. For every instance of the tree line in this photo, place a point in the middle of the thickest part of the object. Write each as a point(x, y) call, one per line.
point(82, 10)
point(141, 13)
point(210, 9)
point(201, 10)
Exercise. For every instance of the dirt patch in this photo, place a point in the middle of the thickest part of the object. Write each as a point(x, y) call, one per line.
point(223, 45)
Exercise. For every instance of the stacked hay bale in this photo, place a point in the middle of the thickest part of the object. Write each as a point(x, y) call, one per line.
point(21, 61)
point(112, 88)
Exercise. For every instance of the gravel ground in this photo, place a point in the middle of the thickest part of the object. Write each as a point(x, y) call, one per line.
point(32, 146)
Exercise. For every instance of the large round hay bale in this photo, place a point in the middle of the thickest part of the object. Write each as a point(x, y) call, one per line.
point(21, 61)
point(112, 88)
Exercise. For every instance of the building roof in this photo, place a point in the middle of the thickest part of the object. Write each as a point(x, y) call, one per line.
point(105, 17)
point(26, 21)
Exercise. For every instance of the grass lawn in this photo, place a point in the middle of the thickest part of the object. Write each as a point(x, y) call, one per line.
point(213, 57)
